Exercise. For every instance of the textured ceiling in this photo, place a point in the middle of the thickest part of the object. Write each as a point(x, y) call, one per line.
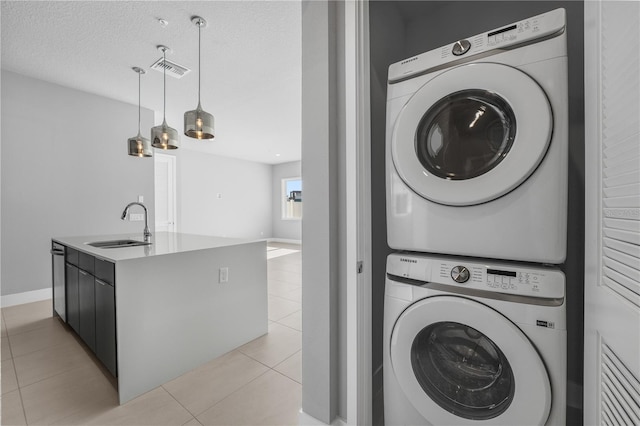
point(251, 63)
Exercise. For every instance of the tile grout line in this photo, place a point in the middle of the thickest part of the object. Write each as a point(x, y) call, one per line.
point(24, 410)
point(13, 333)
point(43, 379)
point(291, 300)
point(48, 377)
point(15, 372)
point(274, 368)
point(299, 284)
point(11, 352)
point(54, 345)
point(270, 368)
point(179, 403)
point(216, 403)
point(237, 390)
point(284, 375)
point(250, 357)
point(288, 326)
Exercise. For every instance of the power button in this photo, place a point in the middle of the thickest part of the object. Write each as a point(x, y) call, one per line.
point(461, 47)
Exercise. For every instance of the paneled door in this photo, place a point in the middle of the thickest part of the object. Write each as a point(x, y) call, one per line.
point(165, 192)
point(612, 203)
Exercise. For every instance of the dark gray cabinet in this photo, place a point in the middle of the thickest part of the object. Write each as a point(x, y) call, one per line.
point(106, 324)
point(87, 308)
point(91, 303)
point(71, 290)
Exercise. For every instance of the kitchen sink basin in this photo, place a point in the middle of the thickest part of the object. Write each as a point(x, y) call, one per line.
point(117, 243)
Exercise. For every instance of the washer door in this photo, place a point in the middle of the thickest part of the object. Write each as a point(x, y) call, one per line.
point(460, 362)
point(472, 134)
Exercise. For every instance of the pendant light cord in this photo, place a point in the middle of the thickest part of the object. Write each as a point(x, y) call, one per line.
point(164, 84)
point(139, 76)
point(199, 58)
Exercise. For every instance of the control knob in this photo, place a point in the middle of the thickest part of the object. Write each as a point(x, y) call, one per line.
point(460, 274)
point(461, 47)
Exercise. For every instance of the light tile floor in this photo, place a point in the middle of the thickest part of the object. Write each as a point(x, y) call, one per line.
point(50, 377)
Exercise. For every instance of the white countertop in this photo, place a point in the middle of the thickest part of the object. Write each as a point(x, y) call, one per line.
point(162, 243)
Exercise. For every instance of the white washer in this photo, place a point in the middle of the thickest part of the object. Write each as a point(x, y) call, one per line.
point(473, 343)
point(477, 145)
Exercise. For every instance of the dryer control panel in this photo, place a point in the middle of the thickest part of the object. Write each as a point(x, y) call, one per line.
point(502, 277)
point(526, 31)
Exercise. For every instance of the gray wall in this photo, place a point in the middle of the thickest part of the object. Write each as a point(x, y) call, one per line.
point(245, 204)
point(65, 172)
point(403, 29)
point(286, 229)
point(320, 392)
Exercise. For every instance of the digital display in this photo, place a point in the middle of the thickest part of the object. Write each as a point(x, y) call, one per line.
point(503, 30)
point(498, 272)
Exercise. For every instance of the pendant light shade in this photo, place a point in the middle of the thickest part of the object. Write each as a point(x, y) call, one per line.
point(138, 145)
point(163, 136)
point(199, 124)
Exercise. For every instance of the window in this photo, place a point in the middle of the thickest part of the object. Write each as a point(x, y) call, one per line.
point(292, 198)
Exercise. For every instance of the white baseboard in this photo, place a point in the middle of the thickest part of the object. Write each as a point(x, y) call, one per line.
point(26, 297)
point(306, 420)
point(283, 240)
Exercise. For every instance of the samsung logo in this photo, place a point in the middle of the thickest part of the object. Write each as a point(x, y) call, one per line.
point(547, 324)
point(406, 61)
point(402, 259)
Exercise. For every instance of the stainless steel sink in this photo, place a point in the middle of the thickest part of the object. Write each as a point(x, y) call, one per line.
point(117, 243)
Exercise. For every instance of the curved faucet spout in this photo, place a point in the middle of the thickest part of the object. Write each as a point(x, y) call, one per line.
point(147, 233)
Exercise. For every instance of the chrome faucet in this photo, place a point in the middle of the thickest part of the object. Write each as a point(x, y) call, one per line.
point(147, 233)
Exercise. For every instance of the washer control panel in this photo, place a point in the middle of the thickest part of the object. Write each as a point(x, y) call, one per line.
point(526, 31)
point(495, 276)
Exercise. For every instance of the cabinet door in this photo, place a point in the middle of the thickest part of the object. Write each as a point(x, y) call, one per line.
point(71, 284)
point(87, 304)
point(106, 325)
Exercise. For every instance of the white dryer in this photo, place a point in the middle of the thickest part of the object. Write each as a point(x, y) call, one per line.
point(473, 343)
point(477, 145)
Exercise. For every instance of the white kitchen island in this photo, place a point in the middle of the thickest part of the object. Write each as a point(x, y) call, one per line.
point(172, 312)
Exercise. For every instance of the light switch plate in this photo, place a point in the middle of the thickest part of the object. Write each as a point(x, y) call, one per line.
point(223, 276)
point(136, 217)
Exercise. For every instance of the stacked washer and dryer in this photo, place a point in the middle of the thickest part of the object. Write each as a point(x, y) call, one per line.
point(477, 147)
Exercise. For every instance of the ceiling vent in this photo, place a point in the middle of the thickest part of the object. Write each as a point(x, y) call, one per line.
point(173, 69)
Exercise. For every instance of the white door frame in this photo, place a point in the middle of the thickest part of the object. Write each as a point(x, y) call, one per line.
point(170, 160)
point(358, 212)
point(353, 23)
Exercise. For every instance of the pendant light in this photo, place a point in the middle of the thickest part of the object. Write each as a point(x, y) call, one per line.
point(139, 146)
point(163, 136)
point(198, 123)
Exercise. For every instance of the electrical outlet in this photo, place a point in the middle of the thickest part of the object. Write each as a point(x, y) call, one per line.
point(223, 275)
point(136, 217)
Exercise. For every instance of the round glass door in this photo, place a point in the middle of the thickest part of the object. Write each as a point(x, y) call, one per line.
point(458, 361)
point(465, 134)
point(471, 134)
point(462, 370)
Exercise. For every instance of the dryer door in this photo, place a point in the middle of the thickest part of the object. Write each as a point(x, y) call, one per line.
point(472, 134)
point(460, 362)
